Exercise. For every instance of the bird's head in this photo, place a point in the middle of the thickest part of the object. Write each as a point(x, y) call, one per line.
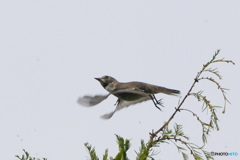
point(108, 82)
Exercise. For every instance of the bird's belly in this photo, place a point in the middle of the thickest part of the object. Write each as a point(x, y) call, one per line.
point(130, 96)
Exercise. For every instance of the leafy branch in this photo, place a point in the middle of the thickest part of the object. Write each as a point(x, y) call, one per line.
point(205, 126)
point(156, 137)
point(26, 156)
point(123, 145)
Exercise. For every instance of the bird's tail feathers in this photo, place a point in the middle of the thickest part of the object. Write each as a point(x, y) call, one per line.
point(169, 91)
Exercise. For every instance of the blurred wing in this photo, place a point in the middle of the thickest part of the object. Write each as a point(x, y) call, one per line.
point(129, 103)
point(123, 104)
point(91, 100)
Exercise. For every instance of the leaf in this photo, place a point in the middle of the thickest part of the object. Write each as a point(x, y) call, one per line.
point(185, 156)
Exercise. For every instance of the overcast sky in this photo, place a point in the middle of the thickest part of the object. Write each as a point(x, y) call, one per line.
point(50, 52)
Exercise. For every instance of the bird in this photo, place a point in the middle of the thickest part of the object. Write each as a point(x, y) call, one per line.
point(128, 93)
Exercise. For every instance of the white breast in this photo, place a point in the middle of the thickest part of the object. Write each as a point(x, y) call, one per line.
point(110, 87)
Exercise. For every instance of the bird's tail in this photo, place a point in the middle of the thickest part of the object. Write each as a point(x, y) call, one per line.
point(168, 91)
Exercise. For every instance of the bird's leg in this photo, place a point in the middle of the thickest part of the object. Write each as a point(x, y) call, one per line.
point(159, 102)
point(155, 101)
point(117, 102)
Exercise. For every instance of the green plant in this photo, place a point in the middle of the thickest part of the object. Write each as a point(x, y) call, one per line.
point(26, 156)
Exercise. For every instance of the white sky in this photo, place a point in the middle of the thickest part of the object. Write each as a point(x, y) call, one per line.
point(50, 51)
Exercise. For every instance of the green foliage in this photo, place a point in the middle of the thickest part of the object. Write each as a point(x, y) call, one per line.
point(105, 156)
point(26, 156)
point(92, 152)
point(142, 155)
point(145, 152)
point(181, 141)
point(123, 146)
point(164, 133)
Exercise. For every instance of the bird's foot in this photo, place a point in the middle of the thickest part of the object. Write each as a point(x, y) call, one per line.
point(159, 102)
point(156, 102)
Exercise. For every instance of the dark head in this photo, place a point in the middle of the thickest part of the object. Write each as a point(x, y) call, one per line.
point(106, 80)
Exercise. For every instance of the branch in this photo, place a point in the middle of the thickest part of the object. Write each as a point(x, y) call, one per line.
point(153, 136)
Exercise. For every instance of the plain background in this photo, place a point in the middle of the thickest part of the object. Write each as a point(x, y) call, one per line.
point(50, 52)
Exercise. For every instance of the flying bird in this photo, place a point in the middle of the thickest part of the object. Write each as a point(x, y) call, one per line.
point(128, 93)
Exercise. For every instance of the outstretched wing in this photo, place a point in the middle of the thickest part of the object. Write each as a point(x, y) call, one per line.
point(91, 100)
point(126, 97)
point(122, 104)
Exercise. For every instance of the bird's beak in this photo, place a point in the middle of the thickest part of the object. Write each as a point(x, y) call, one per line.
point(99, 79)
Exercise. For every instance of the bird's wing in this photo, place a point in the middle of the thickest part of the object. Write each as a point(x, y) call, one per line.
point(94, 100)
point(131, 94)
point(91, 100)
point(130, 91)
point(122, 104)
